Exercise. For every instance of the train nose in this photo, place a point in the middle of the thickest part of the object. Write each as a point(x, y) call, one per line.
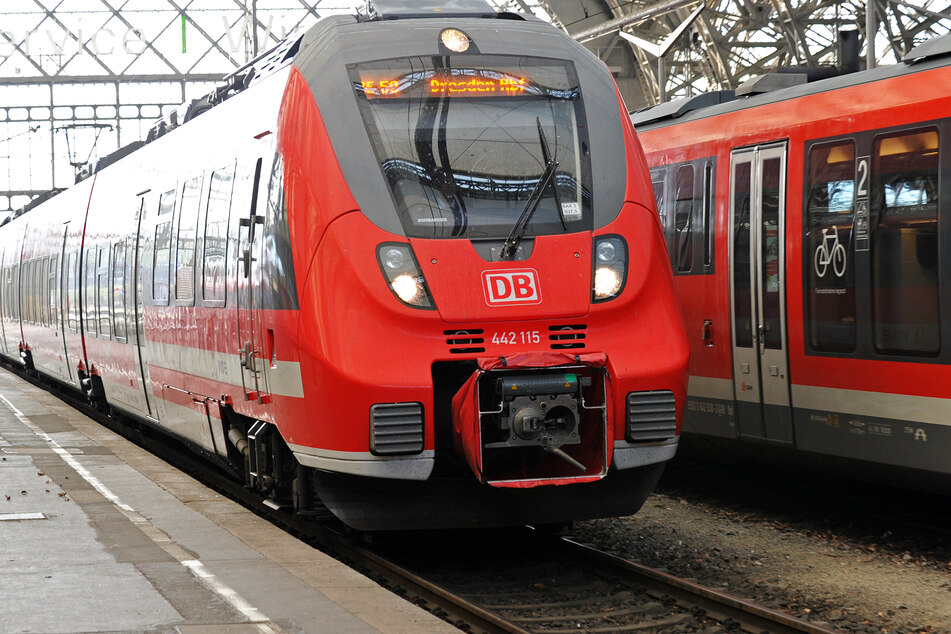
point(553, 282)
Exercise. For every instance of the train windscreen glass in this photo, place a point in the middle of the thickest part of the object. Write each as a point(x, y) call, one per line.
point(464, 142)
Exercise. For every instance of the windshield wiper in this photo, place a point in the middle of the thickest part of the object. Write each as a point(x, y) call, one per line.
point(510, 246)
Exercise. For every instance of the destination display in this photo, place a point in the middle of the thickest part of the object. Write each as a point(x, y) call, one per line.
point(454, 83)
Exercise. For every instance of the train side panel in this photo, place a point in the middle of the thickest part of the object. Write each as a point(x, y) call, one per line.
point(862, 371)
point(167, 313)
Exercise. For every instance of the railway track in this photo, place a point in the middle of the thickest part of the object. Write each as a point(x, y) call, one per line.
point(494, 581)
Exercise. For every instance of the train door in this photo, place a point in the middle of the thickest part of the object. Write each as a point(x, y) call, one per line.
point(249, 284)
point(137, 331)
point(758, 298)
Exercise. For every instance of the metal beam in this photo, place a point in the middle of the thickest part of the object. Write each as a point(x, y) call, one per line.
point(635, 16)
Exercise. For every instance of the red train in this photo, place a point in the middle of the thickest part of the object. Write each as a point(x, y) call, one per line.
point(406, 267)
point(806, 235)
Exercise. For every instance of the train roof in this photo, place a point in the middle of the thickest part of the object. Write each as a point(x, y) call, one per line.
point(782, 86)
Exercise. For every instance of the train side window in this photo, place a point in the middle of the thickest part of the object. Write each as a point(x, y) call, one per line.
point(185, 249)
point(828, 247)
point(5, 294)
point(16, 290)
point(709, 218)
point(23, 290)
point(42, 297)
point(42, 292)
point(34, 313)
point(26, 290)
point(39, 286)
point(904, 223)
point(37, 279)
point(742, 306)
point(51, 287)
point(118, 291)
point(72, 292)
point(216, 236)
point(658, 176)
point(283, 284)
point(27, 277)
point(104, 288)
point(9, 293)
point(771, 179)
point(42, 265)
point(163, 246)
point(31, 291)
point(683, 219)
point(89, 306)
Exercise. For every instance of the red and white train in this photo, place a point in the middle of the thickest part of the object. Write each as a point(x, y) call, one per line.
point(808, 229)
point(406, 267)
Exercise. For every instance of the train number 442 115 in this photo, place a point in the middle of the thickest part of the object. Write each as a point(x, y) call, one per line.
point(512, 338)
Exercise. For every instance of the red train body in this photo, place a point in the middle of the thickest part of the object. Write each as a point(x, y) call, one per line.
point(418, 287)
point(807, 227)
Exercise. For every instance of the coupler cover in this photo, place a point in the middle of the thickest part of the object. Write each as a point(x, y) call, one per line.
point(535, 419)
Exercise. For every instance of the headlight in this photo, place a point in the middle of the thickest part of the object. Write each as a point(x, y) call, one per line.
point(403, 276)
point(610, 268)
point(408, 288)
point(393, 258)
point(455, 40)
point(606, 282)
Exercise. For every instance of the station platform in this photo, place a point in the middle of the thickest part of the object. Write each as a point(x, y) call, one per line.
point(98, 535)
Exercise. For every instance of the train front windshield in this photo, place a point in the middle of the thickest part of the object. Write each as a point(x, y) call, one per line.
point(465, 143)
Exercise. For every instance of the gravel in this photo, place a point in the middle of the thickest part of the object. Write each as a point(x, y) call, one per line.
point(842, 575)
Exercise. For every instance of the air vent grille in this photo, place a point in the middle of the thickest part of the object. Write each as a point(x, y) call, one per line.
point(466, 341)
point(396, 428)
point(567, 337)
point(651, 416)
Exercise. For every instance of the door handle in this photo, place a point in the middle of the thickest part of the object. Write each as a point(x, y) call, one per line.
point(246, 261)
point(707, 332)
point(247, 358)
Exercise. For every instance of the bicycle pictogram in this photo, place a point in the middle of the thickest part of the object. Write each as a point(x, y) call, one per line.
point(831, 251)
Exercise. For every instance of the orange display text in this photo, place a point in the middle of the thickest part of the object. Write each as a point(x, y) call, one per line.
point(469, 84)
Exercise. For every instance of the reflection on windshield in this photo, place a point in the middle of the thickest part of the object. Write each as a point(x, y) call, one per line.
point(459, 148)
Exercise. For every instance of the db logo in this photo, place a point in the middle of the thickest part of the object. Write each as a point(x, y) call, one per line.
point(505, 288)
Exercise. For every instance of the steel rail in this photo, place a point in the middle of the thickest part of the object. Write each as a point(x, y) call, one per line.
point(718, 604)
